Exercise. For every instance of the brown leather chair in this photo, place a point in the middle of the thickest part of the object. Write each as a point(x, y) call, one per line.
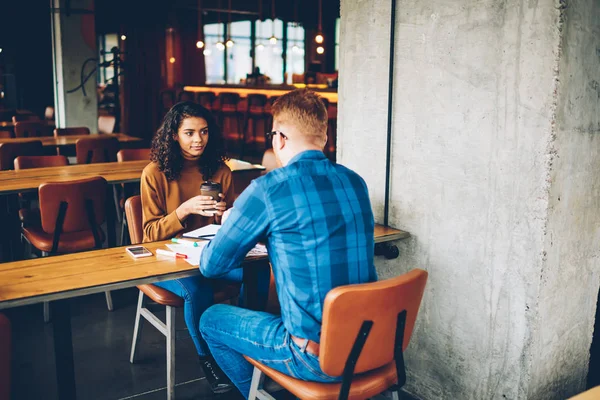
point(27, 129)
point(223, 292)
point(366, 328)
point(106, 123)
point(5, 358)
point(10, 151)
point(71, 215)
point(24, 117)
point(133, 155)
point(82, 130)
point(269, 161)
point(96, 150)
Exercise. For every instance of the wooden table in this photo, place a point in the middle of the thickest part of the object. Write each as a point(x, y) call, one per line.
point(51, 141)
point(60, 278)
point(9, 125)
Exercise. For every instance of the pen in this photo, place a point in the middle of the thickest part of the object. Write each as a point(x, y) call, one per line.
point(212, 235)
point(184, 242)
point(170, 253)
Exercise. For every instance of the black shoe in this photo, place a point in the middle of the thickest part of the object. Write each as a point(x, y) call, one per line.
point(218, 381)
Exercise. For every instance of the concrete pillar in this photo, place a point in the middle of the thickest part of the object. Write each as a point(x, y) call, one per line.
point(75, 56)
point(495, 160)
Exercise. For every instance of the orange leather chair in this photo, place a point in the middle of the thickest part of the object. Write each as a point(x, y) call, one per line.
point(225, 291)
point(10, 151)
point(106, 123)
point(82, 130)
point(366, 328)
point(71, 215)
point(27, 129)
point(96, 150)
point(5, 346)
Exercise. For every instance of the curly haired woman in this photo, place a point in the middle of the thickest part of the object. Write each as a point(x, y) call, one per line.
point(187, 150)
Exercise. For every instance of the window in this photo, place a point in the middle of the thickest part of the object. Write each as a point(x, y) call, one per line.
point(239, 61)
point(213, 55)
point(295, 51)
point(107, 42)
point(269, 52)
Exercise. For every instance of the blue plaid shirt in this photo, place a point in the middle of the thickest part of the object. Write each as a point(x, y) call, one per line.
point(316, 220)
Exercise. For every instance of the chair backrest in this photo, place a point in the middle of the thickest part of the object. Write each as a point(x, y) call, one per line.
point(106, 124)
point(80, 130)
point(96, 150)
point(24, 117)
point(256, 102)
point(269, 161)
point(33, 128)
point(133, 155)
point(10, 151)
point(26, 162)
point(49, 113)
point(347, 307)
point(186, 96)
point(206, 99)
point(133, 213)
point(76, 194)
point(228, 101)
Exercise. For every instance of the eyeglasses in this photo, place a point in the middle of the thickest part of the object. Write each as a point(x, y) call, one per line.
point(269, 135)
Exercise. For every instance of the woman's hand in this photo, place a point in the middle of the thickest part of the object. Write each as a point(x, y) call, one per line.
point(220, 206)
point(197, 205)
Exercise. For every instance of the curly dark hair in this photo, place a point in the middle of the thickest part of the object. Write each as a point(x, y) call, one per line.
point(166, 151)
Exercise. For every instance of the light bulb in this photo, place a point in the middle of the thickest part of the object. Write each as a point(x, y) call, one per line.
point(319, 38)
point(295, 49)
point(220, 46)
point(0, 49)
point(260, 47)
point(207, 52)
point(123, 37)
point(320, 50)
point(229, 43)
point(172, 60)
point(199, 44)
point(273, 40)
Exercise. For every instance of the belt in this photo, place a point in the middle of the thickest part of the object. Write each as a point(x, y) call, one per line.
point(311, 347)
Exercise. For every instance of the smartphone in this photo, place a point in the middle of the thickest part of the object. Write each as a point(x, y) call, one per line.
point(138, 251)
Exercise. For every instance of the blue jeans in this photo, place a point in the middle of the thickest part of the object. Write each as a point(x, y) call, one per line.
point(232, 332)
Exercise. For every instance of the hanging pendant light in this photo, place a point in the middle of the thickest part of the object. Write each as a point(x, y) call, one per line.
point(200, 42)
point(229, 43)
point(219, 45)
point(273, 39)
point(319, 36)
point(259, 46)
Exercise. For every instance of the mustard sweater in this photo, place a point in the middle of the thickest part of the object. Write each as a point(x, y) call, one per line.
point(160, 199)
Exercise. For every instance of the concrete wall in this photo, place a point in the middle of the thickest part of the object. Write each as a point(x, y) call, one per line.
point(476, 169)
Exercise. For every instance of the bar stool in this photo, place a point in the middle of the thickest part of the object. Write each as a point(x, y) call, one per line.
point(255, 112)
point(230, 115)
point(133, 211)
point(71, 215)
point(186, 96)
point(32, 128)
point(207, 100)
point(366, 328)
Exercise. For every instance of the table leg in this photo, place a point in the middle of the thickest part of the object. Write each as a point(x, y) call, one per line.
point(252, 273)
point(63, 349)
point(110, 218)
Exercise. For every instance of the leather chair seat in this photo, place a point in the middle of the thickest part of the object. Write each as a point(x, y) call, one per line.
point(223, 291)
point(363, 386)
point(70, 242)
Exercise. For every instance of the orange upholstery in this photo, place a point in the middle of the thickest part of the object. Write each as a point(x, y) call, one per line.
point(106, 124)
point(345, 311)
point(82, 130)
point(269, 161)
point(363, 386)
point(5, 346)
point(133, 155)
point(133, 211)
point(10, 151)
point(96, 150)
point(26, 129)
point(26, 162)
point(76, 234)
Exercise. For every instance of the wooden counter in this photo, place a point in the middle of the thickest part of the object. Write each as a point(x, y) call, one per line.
point(273, 90)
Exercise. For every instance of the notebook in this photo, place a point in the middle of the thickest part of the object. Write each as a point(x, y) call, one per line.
point(206, 232)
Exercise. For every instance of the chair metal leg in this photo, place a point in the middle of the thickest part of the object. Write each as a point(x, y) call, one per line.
point(170, 320)
point(46, 312)
point(396, 394)
point(137, 328)
point(109, 303)
point(257, 390)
